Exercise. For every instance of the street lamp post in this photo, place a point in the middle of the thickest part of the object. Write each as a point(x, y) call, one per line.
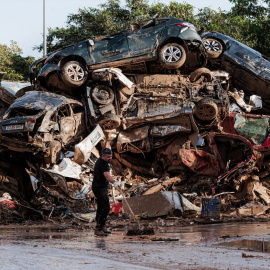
point(44, 29)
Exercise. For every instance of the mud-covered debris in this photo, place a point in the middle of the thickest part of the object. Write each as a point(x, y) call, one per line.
point(155, 205)
point(84, 149)
point(249, 69)
point(42, 123)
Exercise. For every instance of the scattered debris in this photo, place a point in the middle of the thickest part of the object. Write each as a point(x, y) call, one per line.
point(185, 143)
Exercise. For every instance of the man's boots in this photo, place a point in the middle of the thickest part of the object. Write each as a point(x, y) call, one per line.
point(99, 231)
point(105, 230)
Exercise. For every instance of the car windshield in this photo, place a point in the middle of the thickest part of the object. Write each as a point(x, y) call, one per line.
point(253, 60)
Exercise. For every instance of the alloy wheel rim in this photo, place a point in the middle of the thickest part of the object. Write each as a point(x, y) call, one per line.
point(172, 54)
point(212, 45)
point(75, 73)
point(206, 112)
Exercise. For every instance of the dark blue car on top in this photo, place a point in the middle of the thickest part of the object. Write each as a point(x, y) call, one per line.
point(170, 42)
point(249, 69)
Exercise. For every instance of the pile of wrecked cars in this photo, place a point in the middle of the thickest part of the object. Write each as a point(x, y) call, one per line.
point(183, 114)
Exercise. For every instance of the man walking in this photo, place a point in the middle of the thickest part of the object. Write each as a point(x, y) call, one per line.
point(102, 177)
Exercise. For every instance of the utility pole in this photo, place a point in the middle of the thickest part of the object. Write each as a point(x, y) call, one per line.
point(44, 29)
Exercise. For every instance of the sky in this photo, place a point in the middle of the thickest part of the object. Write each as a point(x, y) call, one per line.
point(22, 20)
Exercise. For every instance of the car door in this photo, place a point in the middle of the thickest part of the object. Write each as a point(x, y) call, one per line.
point(66, 123)
point(110, 48)
point(78, 115)
point(144, 40)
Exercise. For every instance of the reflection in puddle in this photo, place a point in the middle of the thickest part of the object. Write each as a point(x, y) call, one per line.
point(189, 235)
point(100, 244)
point(247, 244)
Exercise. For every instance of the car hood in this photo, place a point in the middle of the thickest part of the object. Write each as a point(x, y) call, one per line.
point(41, 101)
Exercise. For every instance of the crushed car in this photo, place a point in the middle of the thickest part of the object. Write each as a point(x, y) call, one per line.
point(172, 42)
point(149, 94)
point(42, 123)
point(168, 102)
point(249, 69)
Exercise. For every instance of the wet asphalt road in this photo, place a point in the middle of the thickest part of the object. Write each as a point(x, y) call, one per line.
point(194, 247)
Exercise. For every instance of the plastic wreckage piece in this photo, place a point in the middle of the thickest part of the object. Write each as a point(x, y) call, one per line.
point(117, 208)
point(84, 148)
point(188, 206)
point(154, 205)
point(120, 76)
point(159, 204)
point(253, 128)
point(67, 168)
point(200, 161)
point(238, 96)
point(255, 101)
point(210, 208)
point(7, 200)
point(33, 179)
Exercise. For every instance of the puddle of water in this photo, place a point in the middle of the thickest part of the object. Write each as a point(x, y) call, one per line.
point(249, 244)
point(212, 233)
point(198, 234)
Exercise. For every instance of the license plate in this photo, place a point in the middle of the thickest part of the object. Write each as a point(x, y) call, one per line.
point(13, 127)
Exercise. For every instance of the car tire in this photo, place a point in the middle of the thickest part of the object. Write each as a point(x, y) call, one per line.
point(109, 121)
point(206, 110)
point(198, 73)
point(102, 94)
point(214, 47)
point(74, 74)
point(202, 187)
point(172, 56)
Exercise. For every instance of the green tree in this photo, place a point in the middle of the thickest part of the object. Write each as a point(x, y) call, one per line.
point(111, 18)
point(220, 21)
point(255, 23)
point(13, 63)
point(248, 21)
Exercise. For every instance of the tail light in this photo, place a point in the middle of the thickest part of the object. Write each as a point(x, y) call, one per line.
point(31, 120)
point(30, 123)
point(186, 24)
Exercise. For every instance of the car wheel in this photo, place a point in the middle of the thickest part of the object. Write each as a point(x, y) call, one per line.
point(202, 187)
point(74, 74)
point(206, 110)
point(102, 94)
point(213, 47)
point(109, 121)
point(172, 56)
point(199, 73)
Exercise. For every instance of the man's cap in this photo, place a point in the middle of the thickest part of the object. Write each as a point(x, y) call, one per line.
point(107, 151)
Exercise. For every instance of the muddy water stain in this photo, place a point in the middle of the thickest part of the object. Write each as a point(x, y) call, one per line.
point(192, 235)
point(248, 244)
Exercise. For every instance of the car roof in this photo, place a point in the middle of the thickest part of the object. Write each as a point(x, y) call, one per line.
point(42, 101)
